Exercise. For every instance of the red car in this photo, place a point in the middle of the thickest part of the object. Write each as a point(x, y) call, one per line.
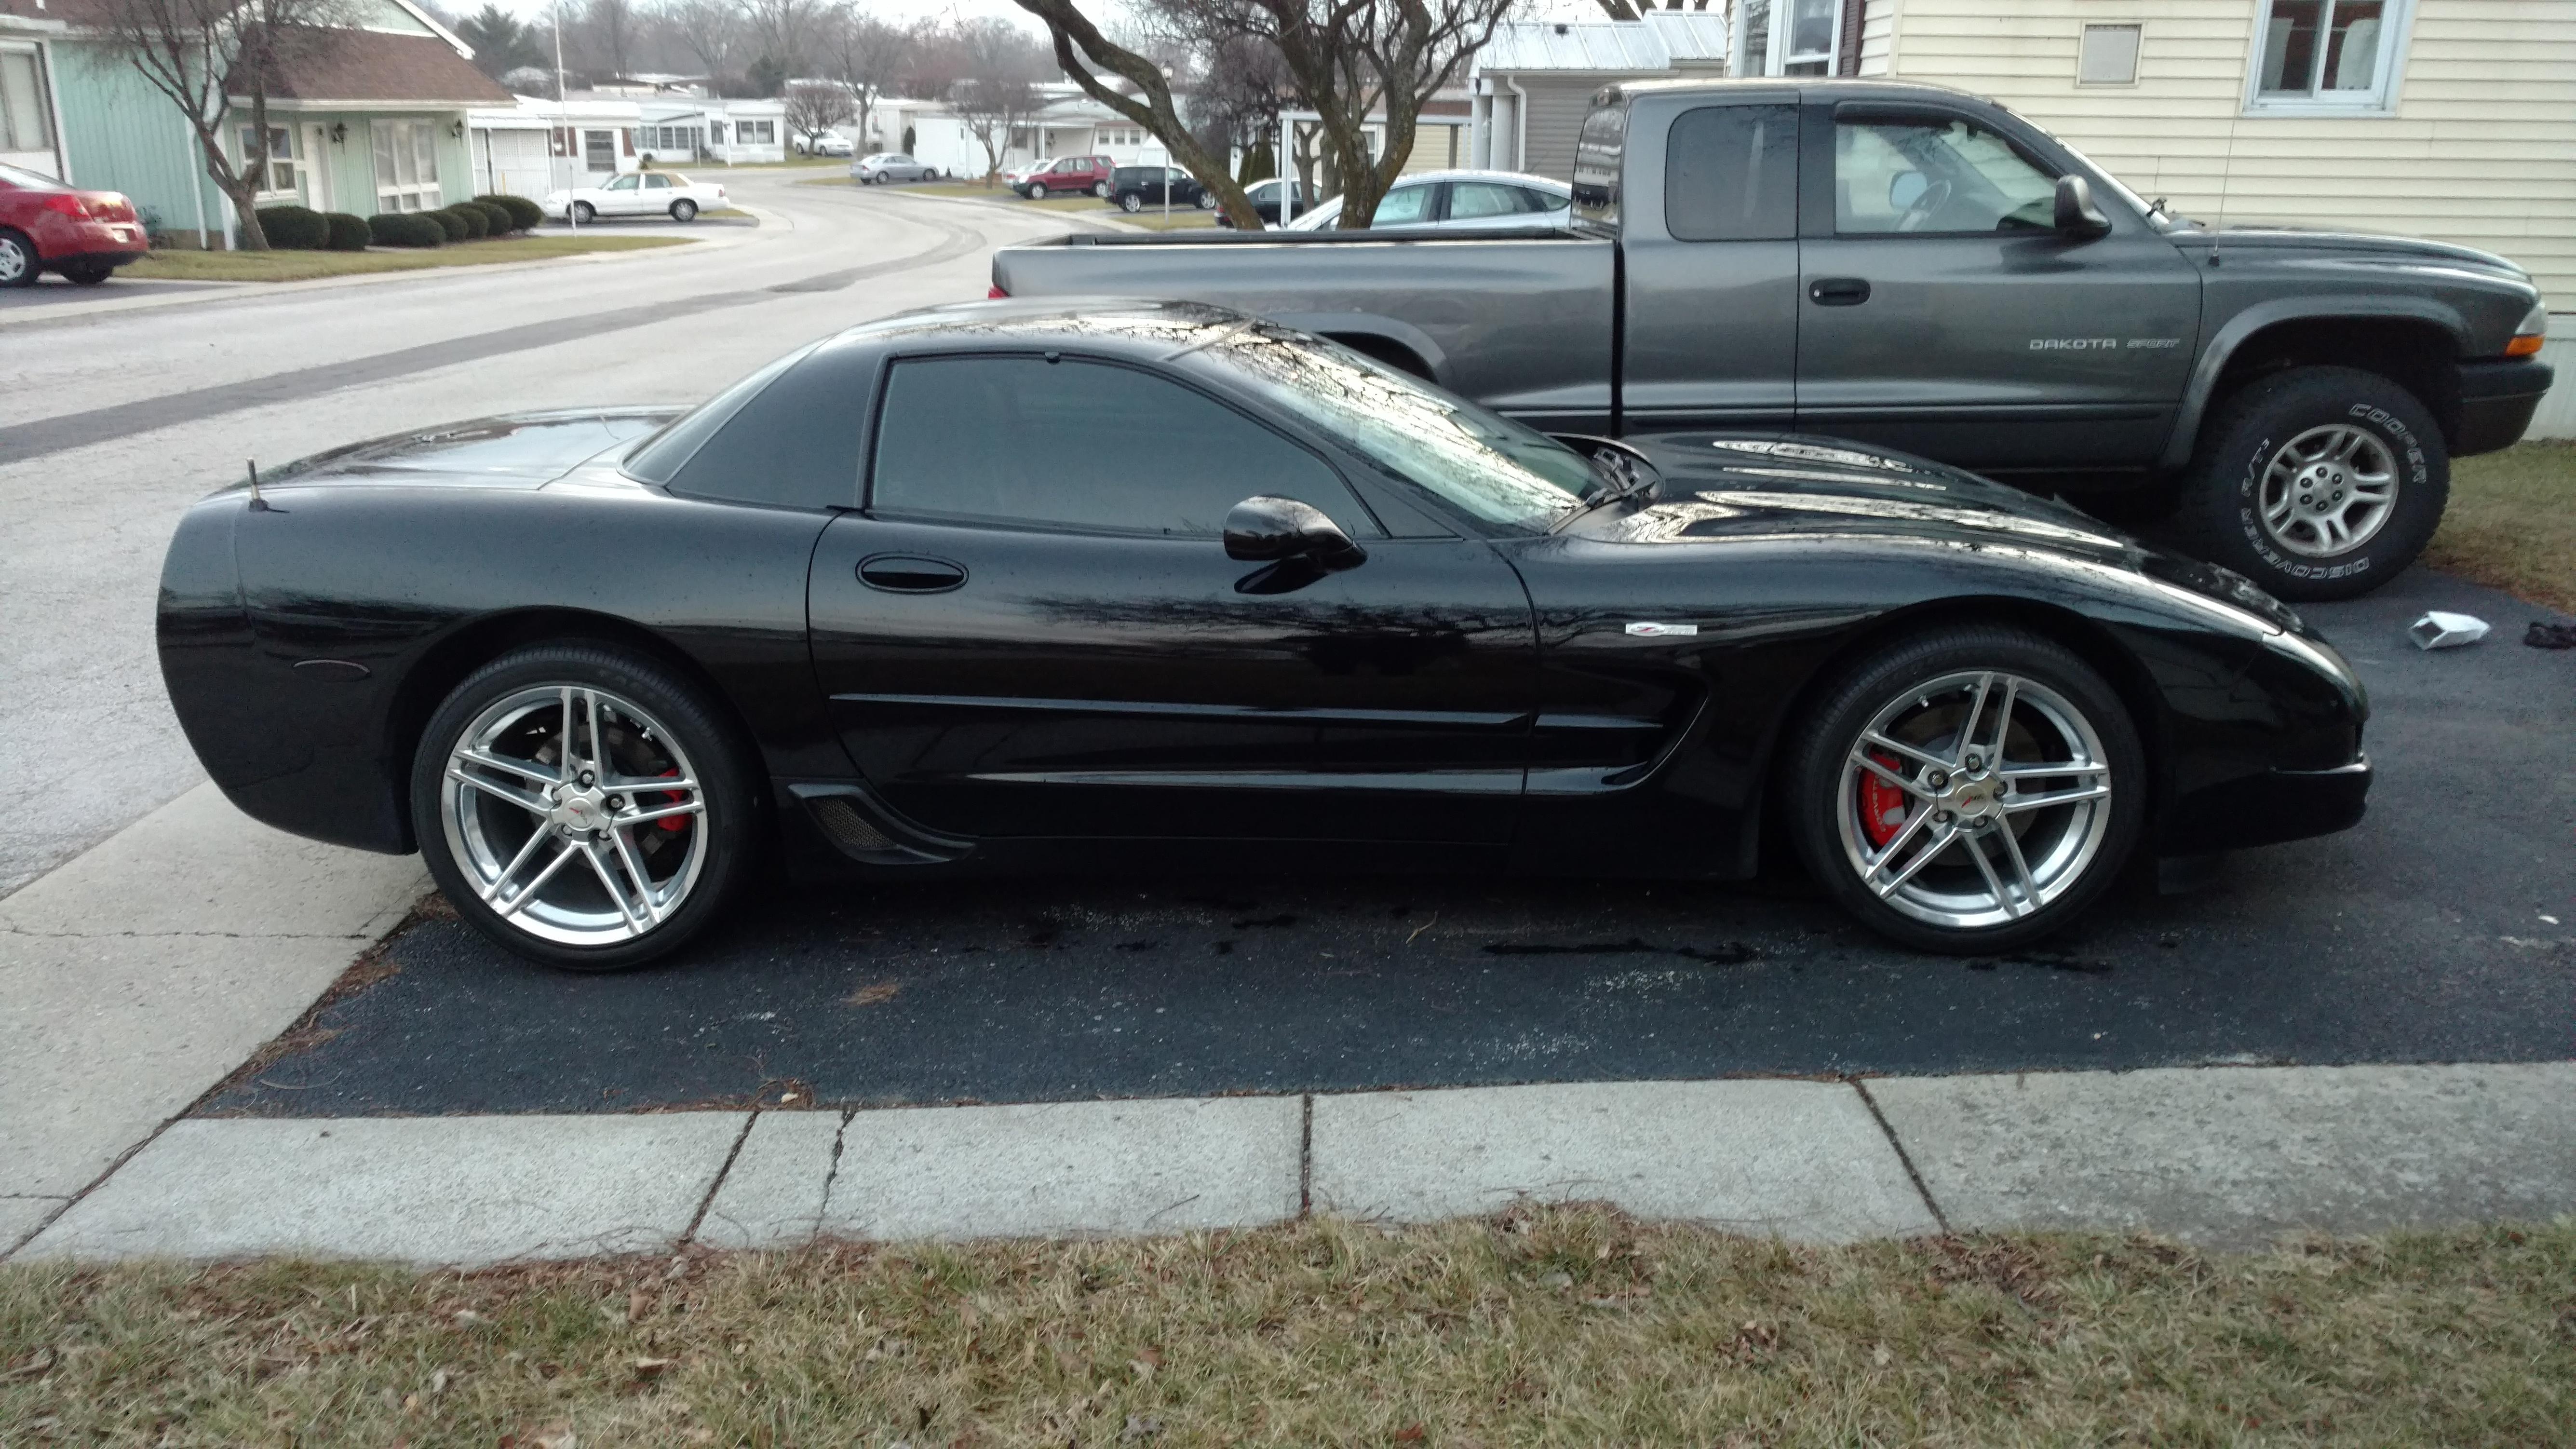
point(1070, 177)
point(46, 226)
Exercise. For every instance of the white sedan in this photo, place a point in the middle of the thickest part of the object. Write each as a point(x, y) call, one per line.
point(1459, 201)
point(647, 193)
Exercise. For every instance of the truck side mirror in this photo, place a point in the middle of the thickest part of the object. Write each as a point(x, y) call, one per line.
point(2076, 213)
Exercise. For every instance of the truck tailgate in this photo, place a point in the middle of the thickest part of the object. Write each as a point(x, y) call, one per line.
point(1522, 322)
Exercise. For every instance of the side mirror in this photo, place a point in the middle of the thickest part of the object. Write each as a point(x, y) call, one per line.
point(2076, 213)
point(1263, 529)
point(1905, 188)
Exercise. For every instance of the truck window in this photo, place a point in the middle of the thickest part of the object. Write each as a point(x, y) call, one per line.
point(1934, 174)
point(1731, 174)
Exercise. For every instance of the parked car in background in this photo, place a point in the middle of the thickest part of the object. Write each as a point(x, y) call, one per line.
point(648, 193)
point(1134, 188)
point(1264, 196)
point(46, 226)
point(826, 144)
point(1916, 268)
point(887, 166)
point(1459, 201)
point(1390, 626)
point(1070, 176)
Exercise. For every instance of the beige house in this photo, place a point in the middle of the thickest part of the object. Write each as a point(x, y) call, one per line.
point(2452, 119)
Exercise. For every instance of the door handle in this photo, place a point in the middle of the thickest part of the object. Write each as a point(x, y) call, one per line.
point(903, 573)
point(1838, 291)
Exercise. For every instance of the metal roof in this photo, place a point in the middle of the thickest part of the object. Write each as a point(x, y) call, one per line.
point(1657, 43)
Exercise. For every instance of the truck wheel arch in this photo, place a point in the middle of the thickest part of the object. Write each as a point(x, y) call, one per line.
point(2412, 341)
point(1395, 343)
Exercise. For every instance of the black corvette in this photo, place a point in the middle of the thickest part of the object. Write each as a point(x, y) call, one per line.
point(598, 665)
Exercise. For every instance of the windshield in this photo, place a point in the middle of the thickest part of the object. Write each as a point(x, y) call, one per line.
point(13, 176)
point(1497, 470)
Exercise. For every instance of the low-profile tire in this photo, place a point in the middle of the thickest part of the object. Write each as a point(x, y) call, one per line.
point(88, 274)
point(684, 210)
point(19, 264)
point(529, 844)
point(1899, 845)
point(2316, 483)
point(584, 212)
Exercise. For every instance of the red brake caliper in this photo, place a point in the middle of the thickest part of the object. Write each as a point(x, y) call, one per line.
point(1882, 805)
point(678, 823)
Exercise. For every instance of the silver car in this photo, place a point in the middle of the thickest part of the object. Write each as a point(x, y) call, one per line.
point(1459, 201)
point(890, 166)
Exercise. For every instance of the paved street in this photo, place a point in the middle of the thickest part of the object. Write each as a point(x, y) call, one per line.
point(2421, 936)
point(113, 421)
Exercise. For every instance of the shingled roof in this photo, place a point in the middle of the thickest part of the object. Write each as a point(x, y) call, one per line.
point(372, 67)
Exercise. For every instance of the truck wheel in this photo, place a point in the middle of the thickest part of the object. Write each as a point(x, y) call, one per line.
point(2316, 483)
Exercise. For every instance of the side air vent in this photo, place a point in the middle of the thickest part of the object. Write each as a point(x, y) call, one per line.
point(848, 829)
point(861, 828)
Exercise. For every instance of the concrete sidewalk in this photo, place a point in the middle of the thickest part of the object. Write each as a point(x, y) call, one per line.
point(2224, 1157)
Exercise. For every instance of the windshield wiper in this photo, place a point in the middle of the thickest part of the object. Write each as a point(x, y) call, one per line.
point(1622, 481)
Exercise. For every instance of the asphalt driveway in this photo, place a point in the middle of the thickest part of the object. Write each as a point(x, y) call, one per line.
point(2427, 934)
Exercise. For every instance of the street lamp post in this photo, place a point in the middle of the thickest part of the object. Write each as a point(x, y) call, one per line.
point(563, 112)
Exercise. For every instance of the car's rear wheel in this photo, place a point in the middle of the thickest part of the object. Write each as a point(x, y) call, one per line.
point(1206, 201)
point(89, 274)
point(1100, 189)
point(18, 262)
point(684, 210)
point(582, 806)
point(2316, 483)
point(584, 212)
point(1969, 790)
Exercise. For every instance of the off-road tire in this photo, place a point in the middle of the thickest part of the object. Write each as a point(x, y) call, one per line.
point(2220, 514)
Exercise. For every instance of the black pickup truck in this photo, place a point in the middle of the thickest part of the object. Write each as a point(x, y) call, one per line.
point(1916, 267)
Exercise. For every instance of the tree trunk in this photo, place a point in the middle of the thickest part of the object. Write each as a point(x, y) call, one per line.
point(1067, 26)
point(243, 195)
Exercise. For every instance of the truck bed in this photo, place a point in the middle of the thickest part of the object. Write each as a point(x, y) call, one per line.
point(1522, 320)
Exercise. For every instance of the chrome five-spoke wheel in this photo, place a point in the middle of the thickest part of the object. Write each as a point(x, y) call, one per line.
point(2328, 491)
point(1970, 788)
point(575, 814)
point(581, 805)
point(1974, 800)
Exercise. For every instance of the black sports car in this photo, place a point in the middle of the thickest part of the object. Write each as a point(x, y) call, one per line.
point(594, 663)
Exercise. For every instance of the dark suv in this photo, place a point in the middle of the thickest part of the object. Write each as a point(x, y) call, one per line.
point(1136, 187)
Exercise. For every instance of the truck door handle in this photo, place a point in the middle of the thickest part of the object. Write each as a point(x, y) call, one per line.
point(1838, 291)
point(898, 573)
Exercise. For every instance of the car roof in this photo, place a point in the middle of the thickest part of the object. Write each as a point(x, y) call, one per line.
point(1120, 325)
point(1813, 88)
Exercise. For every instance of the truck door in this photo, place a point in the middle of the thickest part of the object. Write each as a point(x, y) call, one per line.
point(1711, 264)
point(1942, 312)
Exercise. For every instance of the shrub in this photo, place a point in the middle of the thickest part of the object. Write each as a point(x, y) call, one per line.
point(406, 229)
point(449, 223)
point(499, 221)
point(477, 225)
point(348, 233)
point(525, 215)
point(294, 228)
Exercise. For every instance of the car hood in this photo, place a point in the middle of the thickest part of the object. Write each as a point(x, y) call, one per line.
point(521, 450)
point(1719, 487)
point(2350, 246)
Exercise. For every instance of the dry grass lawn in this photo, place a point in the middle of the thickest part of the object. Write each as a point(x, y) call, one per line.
point(2511, 523)
point(1558, 1326)
point(284, 266)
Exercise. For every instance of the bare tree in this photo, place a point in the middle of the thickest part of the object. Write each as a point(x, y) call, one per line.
point(814, 107)
point(870, 54)
point(934, 61)
point(709, 31)
point(609, 32)
point(999, 88)
point(1082, 51)
point(202, 54)
point(783, 31)
point(1240, 91)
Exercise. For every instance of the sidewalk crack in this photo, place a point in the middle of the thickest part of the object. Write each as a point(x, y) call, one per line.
point(1903, 1157)
point(689, 1235)
point(1306, 1156)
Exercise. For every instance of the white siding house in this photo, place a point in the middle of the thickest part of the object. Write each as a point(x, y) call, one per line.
point(1529, 87)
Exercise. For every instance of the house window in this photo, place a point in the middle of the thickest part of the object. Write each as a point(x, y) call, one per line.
point(599, 150)
point(755, 133)
point(23, 120)
point(406, 166)
point(1787, 37)
point(281, 160)
point(2327, 55)
point(2108, 56)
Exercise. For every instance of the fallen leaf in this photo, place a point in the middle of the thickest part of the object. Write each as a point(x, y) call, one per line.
point(1409, 1434)
point(874, 993)
point(637, 1306)
point(646, 1368)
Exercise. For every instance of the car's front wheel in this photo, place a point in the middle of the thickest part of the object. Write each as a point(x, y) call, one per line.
point(1206, 201)
point(1131, 203)
point(18, 263)
point(1100, 189)
point(1037, 192)
point(2316, 483)
point(1969, 789)
point(684, 210)
point(582, 805)
point(584, 212)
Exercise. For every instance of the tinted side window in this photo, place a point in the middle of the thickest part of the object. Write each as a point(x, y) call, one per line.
point(793, 441)
point(1083, 444)
point(1731, 174)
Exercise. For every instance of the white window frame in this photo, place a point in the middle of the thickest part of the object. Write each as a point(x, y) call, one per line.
point(292, 157)
point(406, 136)
point(2396, 30)
point(1775, 36)
point(41, 92)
